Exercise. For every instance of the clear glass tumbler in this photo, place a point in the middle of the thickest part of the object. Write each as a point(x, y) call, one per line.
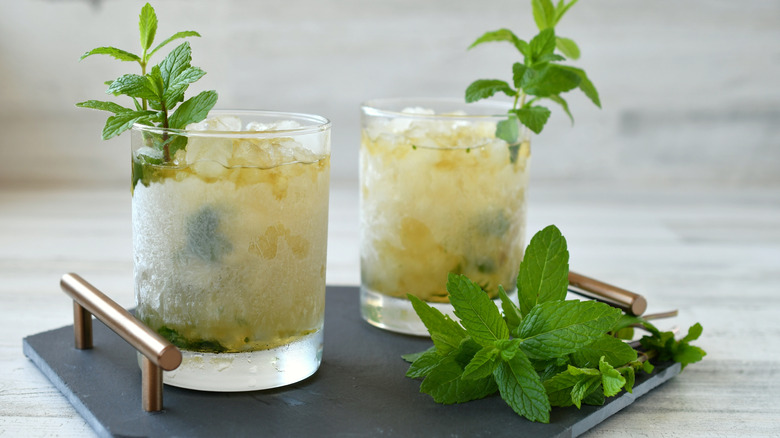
point(229, 245)
point(439, 193)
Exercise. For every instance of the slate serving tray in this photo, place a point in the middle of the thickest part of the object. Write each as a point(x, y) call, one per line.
point(359, 390)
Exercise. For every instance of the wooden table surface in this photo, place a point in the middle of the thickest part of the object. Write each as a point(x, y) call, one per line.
point(712, 253)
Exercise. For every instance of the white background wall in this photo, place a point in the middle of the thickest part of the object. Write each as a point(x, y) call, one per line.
point(689, 88)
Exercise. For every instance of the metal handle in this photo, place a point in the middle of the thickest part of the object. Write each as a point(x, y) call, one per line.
point(631, 302)
point(158, 353)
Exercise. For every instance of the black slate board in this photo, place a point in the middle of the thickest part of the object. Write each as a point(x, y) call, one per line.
point(359, 390)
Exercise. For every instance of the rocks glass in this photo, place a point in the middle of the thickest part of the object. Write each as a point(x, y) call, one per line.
point(229, 245)
point(439, 193)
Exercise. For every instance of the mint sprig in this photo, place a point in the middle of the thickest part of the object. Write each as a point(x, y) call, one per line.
point(155, 94)
point(539, 76)
point(542, 353)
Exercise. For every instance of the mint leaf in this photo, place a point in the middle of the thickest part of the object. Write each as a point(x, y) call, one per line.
point(557, 328)
point(478, 315)
point(559, 388)
point(178, 85)
point(630, 375)
point(613, 350)
point(482, 364)
point(512, 314)
point(542, 44)
point(175, 63)
point(611, 379)
point(502, 35)
point(177, 35)
point(508, 130)
point(693, 333)
point(687, 354)
point(121, 122)
point(544, 271)
point(518, 74)
point(134, 86)
point(193, 109)
point(445, 333)
point(534, 117)
point(544, 13)
point(113, 52)
point(565, 105)
point(550, 80)
point(446, 385)
point(547, 57)
point(568, 47)
point(522, 389)
point(585, 84)
point(562, 8)
point(585, 386)
point(103, 106)
point(484, 88)
point(423, 364)
point(147, 25)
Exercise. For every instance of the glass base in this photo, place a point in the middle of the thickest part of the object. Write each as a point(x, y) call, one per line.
point(398, 315)
point(250, 371)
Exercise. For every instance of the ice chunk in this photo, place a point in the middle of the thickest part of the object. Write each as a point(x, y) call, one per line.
point(217, 123)
point(281, 125)
point(266, 153)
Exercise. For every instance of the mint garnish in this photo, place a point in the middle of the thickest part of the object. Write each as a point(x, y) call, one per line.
point(539, 76)
point(546, 352)
point(155, 94)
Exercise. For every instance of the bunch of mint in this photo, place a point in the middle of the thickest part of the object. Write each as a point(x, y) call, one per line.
point(539, 75)
point(155, 94)
point(545, 352)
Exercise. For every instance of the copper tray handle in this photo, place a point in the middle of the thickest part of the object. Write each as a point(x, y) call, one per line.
point(158, 353)
point(631, 302)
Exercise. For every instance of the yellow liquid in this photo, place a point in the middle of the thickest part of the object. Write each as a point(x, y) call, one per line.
point(231, 258)
point(435, 201)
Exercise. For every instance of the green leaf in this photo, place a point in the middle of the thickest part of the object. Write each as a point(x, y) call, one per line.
point(147, 25)
point(544, 271)
point(518, 74)
point(687, 354)
point(557, 328)
point(177, 35)
point(482, 364)
point(446, 385)
point(565, 105)
point(134, 86)
point(550, 80)
point(121, 122)
point(445, 333)
point(693, 333)
point(543, 43)
point(595, 398)
point(559, 388)
point(174, 93)
point(568, 47)
point(630, 375)
point(175, 63)
point(615, 352)
point(544, 13)
point(193, 110)
point(522, 389)
point(424, 363)
point(547, 57)
point(103, 106)
point(611, 379)
point(562, 8)
point(478, 314)
point(512, 314)
point(484, 88)
point(113, 52)
point(585, 84)
point(584, 387)
point(502, 35)
point(508, 130)
point(534, 117)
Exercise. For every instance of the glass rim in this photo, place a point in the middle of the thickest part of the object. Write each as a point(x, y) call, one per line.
point(317, 124)
point(377, 108)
